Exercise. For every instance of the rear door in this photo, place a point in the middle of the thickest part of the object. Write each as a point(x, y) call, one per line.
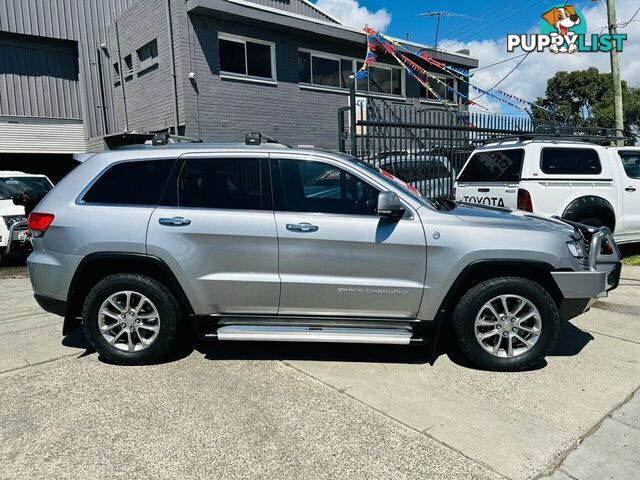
point(491, 177)
point(630, 190)
point(215, 228)
point(337, 257)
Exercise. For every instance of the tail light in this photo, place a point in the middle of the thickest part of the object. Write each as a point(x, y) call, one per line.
point(39, 223)
point(606, 248)
point(524, 200)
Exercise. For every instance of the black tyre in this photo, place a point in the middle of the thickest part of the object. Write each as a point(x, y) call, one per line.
point(506, 324)
point(131, 319)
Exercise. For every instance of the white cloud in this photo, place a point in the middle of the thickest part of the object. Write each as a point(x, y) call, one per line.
point(352, 14)
point(530, 79)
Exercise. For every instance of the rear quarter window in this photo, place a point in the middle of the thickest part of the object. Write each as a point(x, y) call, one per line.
point(131, 183)
point(570, 161)
point(493, 166)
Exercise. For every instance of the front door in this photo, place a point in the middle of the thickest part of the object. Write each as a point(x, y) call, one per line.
point(216, 230)
point(337, 257)
point(631, 190)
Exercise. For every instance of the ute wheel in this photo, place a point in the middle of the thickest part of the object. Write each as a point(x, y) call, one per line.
point(506, 324)
point(130, 319)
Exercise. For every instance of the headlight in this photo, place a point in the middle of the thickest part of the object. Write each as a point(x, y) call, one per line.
point(577, 249)
point(11, 219)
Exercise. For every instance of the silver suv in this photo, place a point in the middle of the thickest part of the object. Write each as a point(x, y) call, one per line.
point(270, 243)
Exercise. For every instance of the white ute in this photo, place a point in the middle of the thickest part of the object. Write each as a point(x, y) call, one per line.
point(13, 224)
point(574, 178)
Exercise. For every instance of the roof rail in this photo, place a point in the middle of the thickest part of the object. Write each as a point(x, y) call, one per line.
point(165, 138)
point(596, 135)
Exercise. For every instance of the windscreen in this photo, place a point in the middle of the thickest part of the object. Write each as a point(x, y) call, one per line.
point(493, 166)
point(9, 186)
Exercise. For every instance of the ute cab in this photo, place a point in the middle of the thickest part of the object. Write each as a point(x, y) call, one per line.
point(581, 179)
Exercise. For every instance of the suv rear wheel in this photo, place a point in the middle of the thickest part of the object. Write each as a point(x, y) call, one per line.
point(506, 324)
point(130, 319)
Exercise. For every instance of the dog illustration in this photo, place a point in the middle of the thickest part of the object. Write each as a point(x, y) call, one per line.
point(562, 19)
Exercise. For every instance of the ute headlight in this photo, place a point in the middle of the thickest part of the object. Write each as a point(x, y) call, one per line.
point(577, 249)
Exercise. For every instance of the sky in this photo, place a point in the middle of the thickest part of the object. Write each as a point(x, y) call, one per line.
point(482, 27)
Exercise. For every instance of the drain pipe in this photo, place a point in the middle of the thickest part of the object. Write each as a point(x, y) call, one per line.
point(121, 72)
point(174, 79)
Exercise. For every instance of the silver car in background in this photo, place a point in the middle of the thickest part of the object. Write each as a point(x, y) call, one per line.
point(260, 241)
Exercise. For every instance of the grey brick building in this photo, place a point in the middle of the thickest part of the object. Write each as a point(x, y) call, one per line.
point(73, 72)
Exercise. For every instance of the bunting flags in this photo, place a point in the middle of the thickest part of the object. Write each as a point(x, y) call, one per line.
point(379, 42)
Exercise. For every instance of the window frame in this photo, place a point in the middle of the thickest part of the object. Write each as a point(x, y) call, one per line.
point(246, 77)
point(278, 191)
point(354, 67)
point(584, 174)
point(80, 198)
point(456, 86)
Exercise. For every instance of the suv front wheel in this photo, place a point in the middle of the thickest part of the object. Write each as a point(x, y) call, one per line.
point(506, 324)
point(130, 319)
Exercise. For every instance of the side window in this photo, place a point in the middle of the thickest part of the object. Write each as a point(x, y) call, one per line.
point(570, 161)
point(631, 164)
point(307, 186)
point(131, 183)
point(231, 183)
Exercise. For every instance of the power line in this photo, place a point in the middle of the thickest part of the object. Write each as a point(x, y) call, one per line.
point(501, 61)
point(503, 78)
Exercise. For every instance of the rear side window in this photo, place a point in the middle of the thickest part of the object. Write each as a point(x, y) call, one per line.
point(131, 183)
point(230, 183)
point(494, 166)
point(570, 161)
point(631, 163)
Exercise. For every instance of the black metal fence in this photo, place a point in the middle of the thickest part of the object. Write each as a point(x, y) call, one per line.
point(423, 146)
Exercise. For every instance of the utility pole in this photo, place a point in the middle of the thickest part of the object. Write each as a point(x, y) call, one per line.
point(615, 72)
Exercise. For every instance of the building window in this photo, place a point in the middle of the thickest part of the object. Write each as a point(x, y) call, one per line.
point(246, 57)
point(116, 73)
point(128, 63)
point(148, 55)
point(386, 80)
point(323, 70)
point(439, 87)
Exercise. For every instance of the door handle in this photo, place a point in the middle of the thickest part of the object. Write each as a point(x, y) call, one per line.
point(630, 189)
point(301, 227)
point(174, 222)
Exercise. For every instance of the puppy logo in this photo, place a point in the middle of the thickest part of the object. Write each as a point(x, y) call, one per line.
point(564, 23)
point(563, 29)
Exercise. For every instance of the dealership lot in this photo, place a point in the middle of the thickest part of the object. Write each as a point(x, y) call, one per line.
point(328, 411)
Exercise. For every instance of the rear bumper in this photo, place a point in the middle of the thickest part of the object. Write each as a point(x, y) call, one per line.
point(52, 305)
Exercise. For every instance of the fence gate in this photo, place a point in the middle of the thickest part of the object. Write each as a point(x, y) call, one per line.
point(418, 144)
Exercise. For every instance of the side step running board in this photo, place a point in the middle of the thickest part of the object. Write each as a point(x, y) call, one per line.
point(268, 333)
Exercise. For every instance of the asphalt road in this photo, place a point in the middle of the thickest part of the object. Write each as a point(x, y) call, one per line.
point(244, 410)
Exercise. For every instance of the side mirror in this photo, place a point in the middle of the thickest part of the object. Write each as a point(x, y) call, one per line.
point(389, 205)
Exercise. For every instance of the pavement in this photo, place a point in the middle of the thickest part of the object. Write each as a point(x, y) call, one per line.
point(253, 410)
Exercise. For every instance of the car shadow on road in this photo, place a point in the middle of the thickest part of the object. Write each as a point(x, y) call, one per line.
point(571, 341)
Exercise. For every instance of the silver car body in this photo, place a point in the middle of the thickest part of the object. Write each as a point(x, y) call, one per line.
point(248, 263)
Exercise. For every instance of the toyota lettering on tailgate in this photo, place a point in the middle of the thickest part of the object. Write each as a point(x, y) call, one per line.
point(493, 201)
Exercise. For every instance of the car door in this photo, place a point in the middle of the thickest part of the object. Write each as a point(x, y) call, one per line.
point(216, 230)
point(630, 177)
point(337, 257)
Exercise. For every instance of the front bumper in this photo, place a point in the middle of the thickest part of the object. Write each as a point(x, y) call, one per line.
point(582, 288)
